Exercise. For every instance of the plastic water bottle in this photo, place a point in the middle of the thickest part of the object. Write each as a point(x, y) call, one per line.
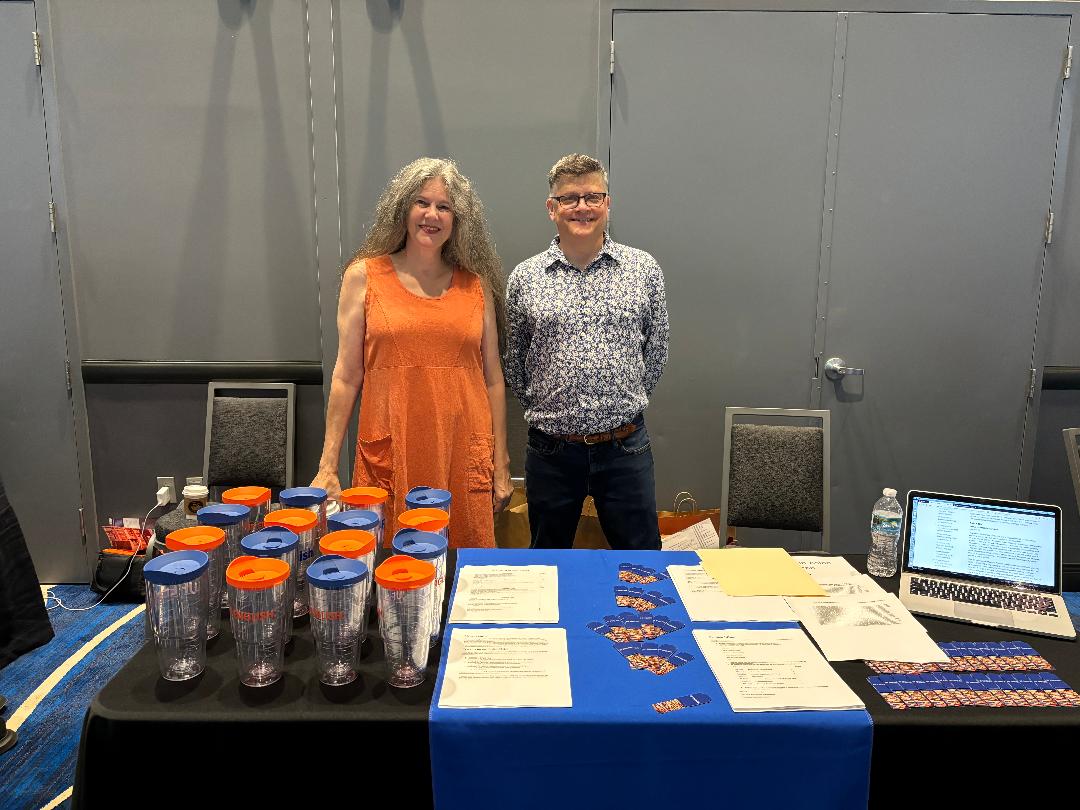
point(885, 534)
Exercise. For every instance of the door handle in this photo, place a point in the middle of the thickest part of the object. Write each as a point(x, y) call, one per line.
point(836, 370)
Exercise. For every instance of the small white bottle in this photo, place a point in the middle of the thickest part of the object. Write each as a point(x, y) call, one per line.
point(885, 524)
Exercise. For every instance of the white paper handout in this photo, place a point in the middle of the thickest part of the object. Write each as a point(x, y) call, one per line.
point(701, 535)
point(875, 628)
point(830, 568)
point(506, 594)
point(506, 668)
point(706, 601)
point(773, 670)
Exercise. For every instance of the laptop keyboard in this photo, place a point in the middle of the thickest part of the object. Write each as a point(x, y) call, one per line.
point(977, 595)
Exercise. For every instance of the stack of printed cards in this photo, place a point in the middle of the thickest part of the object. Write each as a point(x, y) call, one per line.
point(625, 627)
point(973, 656)
point(684, 702)
point(640, 574)
point(989, 689)
point(659, 659)
point(639, 599)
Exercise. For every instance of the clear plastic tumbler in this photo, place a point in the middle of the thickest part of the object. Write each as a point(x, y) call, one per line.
point(369, 499)
point(314, 500)
point(282, 544)
point(426, 520)
point(233, 519)
point(302, 523)
point(363, 519)
point(258, 498)
point(177, 598)
point(355, 544)
point(429, 498)
point(404, 596)
point(337, 593)
point(211, 541)
point(430, 547)
point(257, 587)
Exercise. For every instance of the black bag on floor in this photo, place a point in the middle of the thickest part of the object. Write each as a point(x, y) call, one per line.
point(113, 568)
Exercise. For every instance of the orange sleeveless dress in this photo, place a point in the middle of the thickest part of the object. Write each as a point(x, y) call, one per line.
point(425, 419)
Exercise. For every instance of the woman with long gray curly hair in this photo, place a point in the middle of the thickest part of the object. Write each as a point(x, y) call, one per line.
point(419, 323)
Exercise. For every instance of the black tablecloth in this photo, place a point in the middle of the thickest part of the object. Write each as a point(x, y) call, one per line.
point(299, 738)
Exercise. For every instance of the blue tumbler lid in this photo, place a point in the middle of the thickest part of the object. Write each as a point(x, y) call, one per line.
point(353, 519)
point(419, 544)
point(223, 514)
point(419, 497)
point(332, 572)
point(273, 541)
point(302, 497)
point(176, 567)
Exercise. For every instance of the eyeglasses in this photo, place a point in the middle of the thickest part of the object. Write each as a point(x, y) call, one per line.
point(594, 199)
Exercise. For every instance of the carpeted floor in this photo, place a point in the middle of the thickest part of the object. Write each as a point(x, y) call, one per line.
point(49, 689)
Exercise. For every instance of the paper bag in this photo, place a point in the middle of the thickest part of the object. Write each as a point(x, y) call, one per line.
point(512, 525)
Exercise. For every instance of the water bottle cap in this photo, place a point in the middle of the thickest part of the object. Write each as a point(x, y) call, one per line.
point(351, 543)
point(302, 496)
point(889, 492)
point(275, 541)
point(419, 544)
point(296, 520)
point(427, 496)
point(256, 573)
point(333, 572)
point(353, 519)
point(401, 573)
point(248, 496)
point(176, 567)
point(223, 514)
point(364, 496)
point(195, 538)
point(427, 520)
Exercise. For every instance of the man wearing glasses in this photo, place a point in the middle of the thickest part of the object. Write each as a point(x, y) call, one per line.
point(587, 335)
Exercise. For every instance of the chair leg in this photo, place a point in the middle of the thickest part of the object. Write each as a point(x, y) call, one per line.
point(8, 737)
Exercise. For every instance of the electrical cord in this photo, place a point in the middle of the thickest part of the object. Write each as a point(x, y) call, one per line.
point(162, 493)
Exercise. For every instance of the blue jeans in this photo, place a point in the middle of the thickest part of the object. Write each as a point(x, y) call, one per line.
point(619, 476)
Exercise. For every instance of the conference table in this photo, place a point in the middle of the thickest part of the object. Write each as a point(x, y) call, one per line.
point(299, 738)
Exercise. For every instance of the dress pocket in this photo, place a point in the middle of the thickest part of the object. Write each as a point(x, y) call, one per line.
point(374, 463)
point(480, 473)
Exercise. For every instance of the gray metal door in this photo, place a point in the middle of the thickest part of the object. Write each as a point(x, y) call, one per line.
point(717, 153)
point(38, 460)
point(946, 158)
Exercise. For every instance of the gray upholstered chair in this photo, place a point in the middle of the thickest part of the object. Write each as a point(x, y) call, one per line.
point(249, 435)
point(1072, 451)
point(776, 476)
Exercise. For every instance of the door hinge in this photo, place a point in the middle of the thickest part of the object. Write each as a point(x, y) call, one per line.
point(1031, 384)
point(82, 524)
point(1067, 70)
point(611, 60)
point(67, 374)
point(1049, 234)
point(37, 48)
point(52, 216)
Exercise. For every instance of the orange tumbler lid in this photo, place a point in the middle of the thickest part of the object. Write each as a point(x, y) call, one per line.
point(195, 538)
point(297, 520)
point(248, 496)
point(364, 496)
point(425, 519)
point(352, 543)
point(256, 573)
point(401, 573)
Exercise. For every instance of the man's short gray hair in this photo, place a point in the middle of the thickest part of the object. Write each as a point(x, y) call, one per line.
point(575, 165)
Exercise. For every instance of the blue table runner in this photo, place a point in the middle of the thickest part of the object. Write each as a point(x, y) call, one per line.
point(613, 748)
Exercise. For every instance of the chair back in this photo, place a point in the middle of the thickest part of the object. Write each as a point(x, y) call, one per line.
point(249, 435)
point(1072, 451)
point(776, 476)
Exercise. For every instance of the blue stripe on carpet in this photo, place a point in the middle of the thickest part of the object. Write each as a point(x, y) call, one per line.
point(42, 764)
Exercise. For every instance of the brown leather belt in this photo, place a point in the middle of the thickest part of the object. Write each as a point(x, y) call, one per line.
point(620, 432)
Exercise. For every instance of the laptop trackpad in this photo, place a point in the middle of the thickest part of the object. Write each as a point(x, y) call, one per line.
point(985, 615)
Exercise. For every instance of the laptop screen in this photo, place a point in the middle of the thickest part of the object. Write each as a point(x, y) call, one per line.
point(991, 541)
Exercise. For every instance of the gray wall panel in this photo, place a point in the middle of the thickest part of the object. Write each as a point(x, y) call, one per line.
point(503, 88)
point(186, 134)
point(138, 432)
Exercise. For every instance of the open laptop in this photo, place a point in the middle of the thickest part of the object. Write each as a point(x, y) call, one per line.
point(984, 561)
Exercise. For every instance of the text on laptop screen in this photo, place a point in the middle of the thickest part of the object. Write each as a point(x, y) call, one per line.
point(1006, 544)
